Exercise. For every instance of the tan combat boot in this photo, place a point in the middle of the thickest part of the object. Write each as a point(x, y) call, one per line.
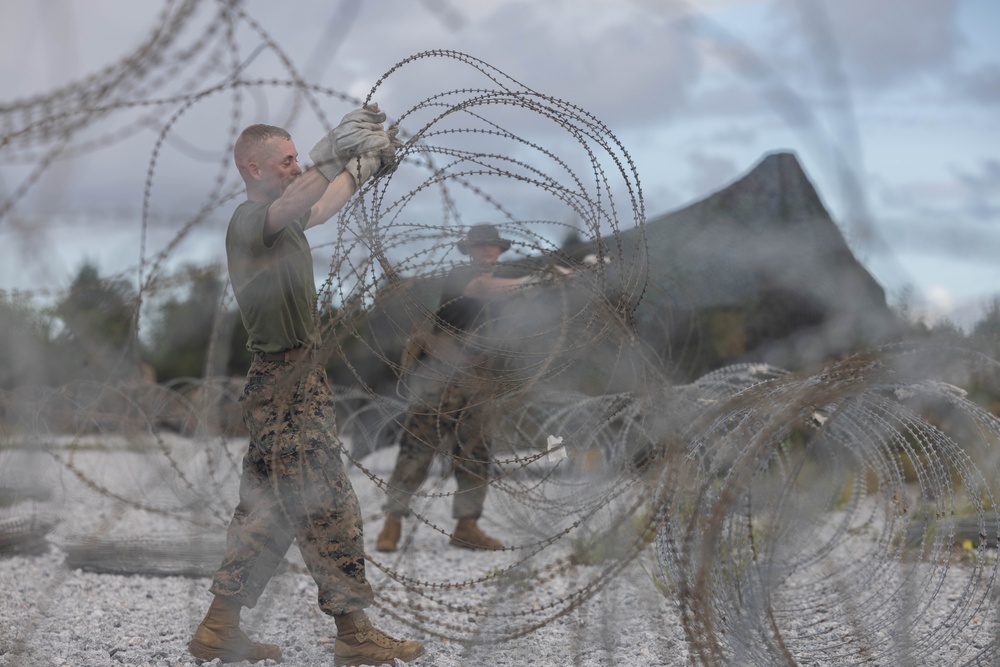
point(359, 643)
point(468, 535)
point(391, 531)
point(219, 636)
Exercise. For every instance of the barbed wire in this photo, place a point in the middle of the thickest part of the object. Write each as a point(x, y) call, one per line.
point(791, 517)
point(784, 505)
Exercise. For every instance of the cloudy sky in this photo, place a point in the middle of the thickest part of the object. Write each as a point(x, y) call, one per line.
point(892, 107)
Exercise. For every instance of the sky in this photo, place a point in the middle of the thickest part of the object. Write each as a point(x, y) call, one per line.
point(892, 108)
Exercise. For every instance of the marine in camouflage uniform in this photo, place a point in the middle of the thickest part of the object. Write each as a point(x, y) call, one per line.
point(294, 486)
point(453, 411)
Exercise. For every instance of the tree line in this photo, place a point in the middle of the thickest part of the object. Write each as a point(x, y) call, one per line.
point(187, 329)
point(93, 331)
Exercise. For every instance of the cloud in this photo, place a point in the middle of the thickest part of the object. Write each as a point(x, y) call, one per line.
point(884, 43)
point(987, 182)
point(972, 192)
point(729, 99)
point(689, 102)
point(616, 61)
point(981, 84)
point(735, 135)
point(984, 191)
point(709, 172)
point(942, 232)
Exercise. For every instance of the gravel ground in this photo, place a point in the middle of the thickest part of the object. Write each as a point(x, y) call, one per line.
point(55, 615)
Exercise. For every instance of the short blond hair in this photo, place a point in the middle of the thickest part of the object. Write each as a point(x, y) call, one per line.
point(251, 140)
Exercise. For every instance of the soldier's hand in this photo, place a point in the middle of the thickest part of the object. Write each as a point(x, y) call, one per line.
point(368, 114)
point(553, 273)
point(359, 132)
point(388, 155)
point(559, 271)
point(364, 166)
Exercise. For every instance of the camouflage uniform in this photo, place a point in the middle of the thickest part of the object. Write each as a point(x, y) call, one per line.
point(452, 411)
point(457, 420)
point(294, 485)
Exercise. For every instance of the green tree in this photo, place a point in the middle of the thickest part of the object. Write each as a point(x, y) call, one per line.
point(946, 330)
point(906, 314)
point(989, 325)
point(97, 339)
point(188, 329)
point(27, 330)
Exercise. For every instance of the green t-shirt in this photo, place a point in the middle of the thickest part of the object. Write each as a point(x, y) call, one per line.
point(274, 285)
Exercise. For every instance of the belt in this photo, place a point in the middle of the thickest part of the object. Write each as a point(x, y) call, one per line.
point(291, 354)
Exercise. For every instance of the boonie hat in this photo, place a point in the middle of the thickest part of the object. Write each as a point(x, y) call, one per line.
point(482, 234)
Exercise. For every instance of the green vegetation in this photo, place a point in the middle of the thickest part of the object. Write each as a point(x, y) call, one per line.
point(616, 542)
point(190, 328)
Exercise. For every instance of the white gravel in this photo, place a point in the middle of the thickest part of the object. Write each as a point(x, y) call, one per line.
point(51, 615)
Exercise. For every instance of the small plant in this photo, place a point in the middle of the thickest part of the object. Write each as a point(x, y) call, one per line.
point(661, 582)
point(594, 548)
point(520, 578)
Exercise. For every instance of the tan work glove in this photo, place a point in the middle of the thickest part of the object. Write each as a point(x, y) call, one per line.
point(359, 132)
point(388, 154)
point(377, 163)
point(550, 275)
point(364, 166)
point(558, 272)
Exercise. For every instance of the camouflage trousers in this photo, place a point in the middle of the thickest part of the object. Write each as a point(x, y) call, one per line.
point(456, 422)
point(294, 487)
